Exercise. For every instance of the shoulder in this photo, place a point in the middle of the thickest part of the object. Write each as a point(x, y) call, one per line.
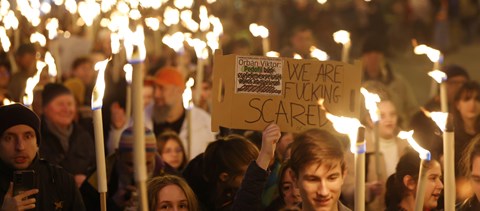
point(198, 112)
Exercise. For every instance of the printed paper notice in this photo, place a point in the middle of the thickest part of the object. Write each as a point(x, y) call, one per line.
point(258, 75)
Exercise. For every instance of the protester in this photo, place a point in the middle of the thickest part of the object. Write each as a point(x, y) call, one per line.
point(470, 164)
point(171, 150)
point(402, 186)
point(301, 39)
point(65, 142)
point(120, 180)
point(427, 133)
point(169, 113)
point(82, 82)
point(54, 188)
point(26, 58)
point(5, 72)
point(170, 192)
point(289, 194)
point(215, 175)
point(375, 68)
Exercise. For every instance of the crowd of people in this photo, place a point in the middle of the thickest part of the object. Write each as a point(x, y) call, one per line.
point(189, 167)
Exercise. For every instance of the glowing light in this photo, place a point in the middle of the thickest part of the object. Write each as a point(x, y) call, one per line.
point(52, 27)
point(152, 23)
point(115, 42)
point(204, 20)
point(433, 54)
point(31, 83)
point(174, 41)
point(371, 101)
point(88, 11)
point(440, 118)
point(341, 36)
point(438, 75)
point(199, 47)
point(10, 21)
point(187, 94)
point(135, 14)
point(319, 54)
point(4, 39)
point(322, 1)
point(45, 7)
point(99, 89)
point(345, 125)
point(171, 16)
point(217, 25)
point(423, 153)
point(128, 69)
point(135, 45)
point(58, 2)
point(71, 6)
point(297, 56)
point(181, 4)
point(52, 68)
point(107, 5)
point(188, 22)
point(258, 30)
point(4, 7)
point(6, 101)
point(273, 54)
point(38, 38)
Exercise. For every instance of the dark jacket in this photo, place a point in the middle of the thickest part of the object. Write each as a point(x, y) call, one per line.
point(249, 196)
point(471, 204)
point(80, 157)
point(205, 191)
point(89, 189)
point(57, 190)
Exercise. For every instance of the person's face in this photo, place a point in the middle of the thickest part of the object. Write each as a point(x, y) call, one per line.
point(433, 186)
point(475, 176)
point(61, 110)
point(18, 146)
point(371, 63)
point(320, 186)
point(147, 95)
point(85, 72)
point(388, 119)
point(302, 41)
point(172, 154)
point(291, 194)
point(167, 94)
point(125, 162)
point(453, 85)
point(172, 197)
point(27, 61)
point(4, 77)
point(469, 108)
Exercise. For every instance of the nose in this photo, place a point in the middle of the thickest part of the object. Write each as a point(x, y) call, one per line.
point(322, 189)
point(20, 145)
point(440, 184)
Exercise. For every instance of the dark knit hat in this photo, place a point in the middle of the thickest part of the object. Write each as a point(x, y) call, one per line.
point(53, 90)
point(17, 114)
point(127, 140)
point(453, 70)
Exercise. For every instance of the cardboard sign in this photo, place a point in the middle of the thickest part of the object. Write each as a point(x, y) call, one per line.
point(249, 92)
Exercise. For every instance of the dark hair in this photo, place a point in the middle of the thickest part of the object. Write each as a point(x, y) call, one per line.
point(453, 70)
point(158, 183)
point(163, 138)
point(409, 164)
point(79, 61)
point(471, 151)
point(283, 171)
point(316, 146)
point(229, 155)
point(466, 92)
point(27, 48)
point(5, 62)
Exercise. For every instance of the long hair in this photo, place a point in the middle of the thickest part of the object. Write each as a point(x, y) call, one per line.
point(469, 154)
point(468, 91)
point(158, 183)
point(163, 138)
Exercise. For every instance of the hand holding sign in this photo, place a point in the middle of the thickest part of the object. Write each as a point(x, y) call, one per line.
point(270, 137)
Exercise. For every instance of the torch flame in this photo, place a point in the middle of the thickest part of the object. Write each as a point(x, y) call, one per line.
point(319, 54)
point(171, 16)
point(88, 10)
point(52, 68)
point(423, 153)
point(99, 89)
point(152, 23)
point(438, 75)
point(71, 6)
point(137, 39)
point(341, 36)
point(4, 39)
point(115, 42)
point(174, 41)
point(258, 30)
point(37, 37)
point(371, 101)
point(10, 21)
point(440, 118)
point(6, 101)
point(52, 26)
point(187, 94)
point(433, 54)
point(344, 125)
point(273, 54)
point(212, 41)
point(204, 21)
point(297, 56)
point(128, 68)
point(31, 83)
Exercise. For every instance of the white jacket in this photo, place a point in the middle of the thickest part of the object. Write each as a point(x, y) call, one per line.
point(202, 135)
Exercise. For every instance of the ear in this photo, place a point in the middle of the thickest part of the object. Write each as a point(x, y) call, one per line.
point(409, 182)
point(223, 177)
